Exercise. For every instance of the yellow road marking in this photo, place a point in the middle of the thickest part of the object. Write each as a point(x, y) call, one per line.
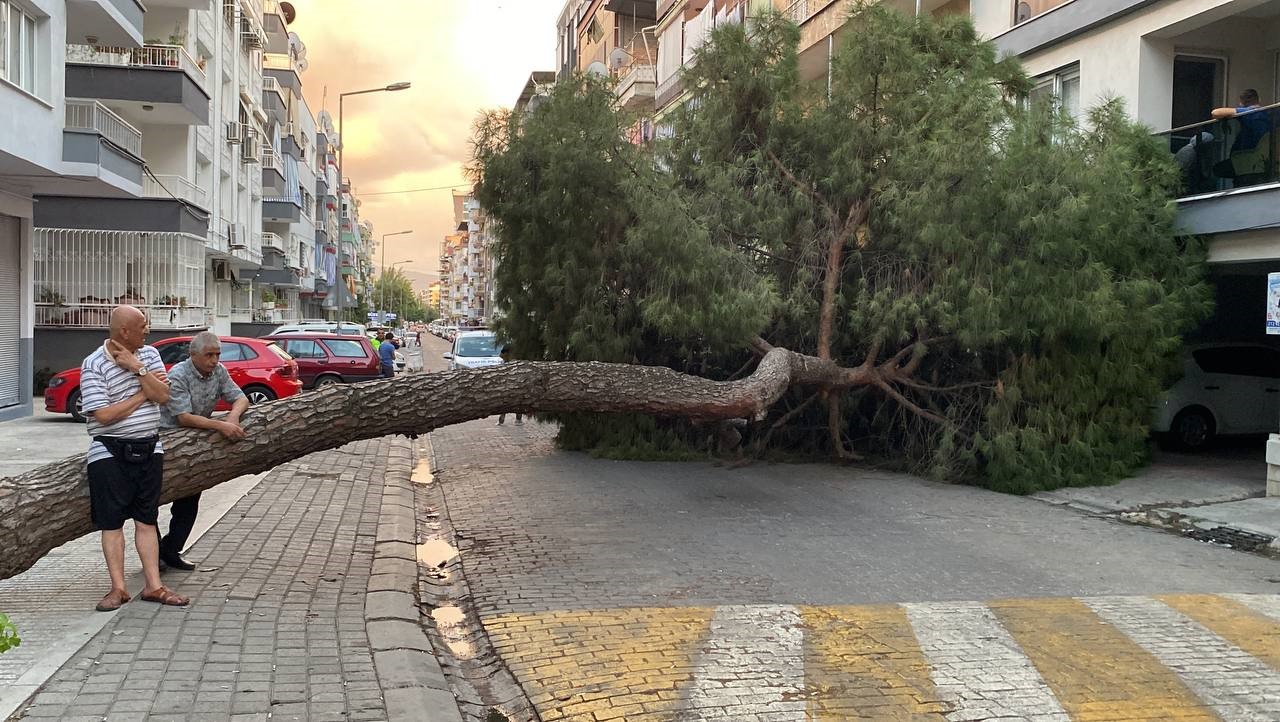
point(1255, 633)
point(1096, 672)
point(864, 662)
point(602, 664)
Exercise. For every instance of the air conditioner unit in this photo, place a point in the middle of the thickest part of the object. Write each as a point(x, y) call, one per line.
point(235, 132)
point(221, 271)
point(235, 240)
point(251, 150)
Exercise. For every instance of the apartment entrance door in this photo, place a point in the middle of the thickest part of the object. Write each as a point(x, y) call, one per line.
point(1198, 87)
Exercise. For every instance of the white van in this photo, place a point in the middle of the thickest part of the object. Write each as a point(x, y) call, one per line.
point(473, 350)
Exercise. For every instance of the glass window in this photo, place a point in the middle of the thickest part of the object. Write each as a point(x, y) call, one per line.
point(284, 356)
point(302, 348)
point(1239, 361)
point(1062, 88)
point(172, 353)
point(477, 346)
point(237, 352)
point(345, 349)
point(19, 41)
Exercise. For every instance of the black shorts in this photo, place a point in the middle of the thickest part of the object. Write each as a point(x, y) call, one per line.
point(119, 490)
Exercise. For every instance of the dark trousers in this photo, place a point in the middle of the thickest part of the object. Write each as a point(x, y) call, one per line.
point(183, 513)
point(388, 371)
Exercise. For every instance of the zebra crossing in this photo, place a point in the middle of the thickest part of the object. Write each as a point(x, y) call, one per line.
point(1170, 657)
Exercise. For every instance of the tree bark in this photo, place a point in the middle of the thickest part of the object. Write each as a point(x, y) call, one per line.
point(49, 506)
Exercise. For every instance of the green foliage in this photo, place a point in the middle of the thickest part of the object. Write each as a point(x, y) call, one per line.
point(1030, 265)
point(8, 634)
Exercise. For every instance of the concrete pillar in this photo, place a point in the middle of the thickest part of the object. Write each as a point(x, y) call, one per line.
point(1273, 465)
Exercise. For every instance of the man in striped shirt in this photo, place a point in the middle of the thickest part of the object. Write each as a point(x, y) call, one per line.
point(122, 385)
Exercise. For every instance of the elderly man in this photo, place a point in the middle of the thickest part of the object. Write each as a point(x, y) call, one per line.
point(195, 387)
point(122, 385)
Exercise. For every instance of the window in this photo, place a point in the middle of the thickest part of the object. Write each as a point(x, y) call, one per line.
point(237, 352)
point(1239, 361)
point(1062, 88)
point(284, 356)
point(19, 46)
point(345, 349)
point(301, 348)
point(173, 353)
point(474, 346)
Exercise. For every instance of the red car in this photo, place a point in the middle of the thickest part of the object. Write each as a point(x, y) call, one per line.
point(325, 359)
point(260, 368)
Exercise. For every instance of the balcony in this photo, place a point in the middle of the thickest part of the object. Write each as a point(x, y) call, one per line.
point(118, 161)
point(118, 22)
point(82, 274)
point(273, 180)
point(1231, 177)
point(152, 85)
point(284, 68)
point(269, 241)
point(175, 187)
point(274, 100)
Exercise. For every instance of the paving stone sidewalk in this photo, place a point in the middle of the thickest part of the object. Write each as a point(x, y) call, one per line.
point(277, 628)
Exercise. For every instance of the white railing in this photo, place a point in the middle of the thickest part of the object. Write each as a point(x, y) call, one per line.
point(217, 241)
point(267, 239)
point(94, 116)
point(170, 57)
point(270, 159)
point(270, 84)
point(801, 10)
point(171, 186)
point(80, 275)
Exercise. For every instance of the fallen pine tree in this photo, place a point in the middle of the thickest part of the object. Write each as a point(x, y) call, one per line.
point(49, 506)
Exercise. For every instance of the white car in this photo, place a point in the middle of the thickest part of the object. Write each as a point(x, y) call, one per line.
point(473, 350)
point(1225, 389)
point(319, 327)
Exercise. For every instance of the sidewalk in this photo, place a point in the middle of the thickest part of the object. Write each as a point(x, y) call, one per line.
point(287, 621)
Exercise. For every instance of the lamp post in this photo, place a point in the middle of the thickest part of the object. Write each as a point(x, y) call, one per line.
point(342, 286)
point(382, 297)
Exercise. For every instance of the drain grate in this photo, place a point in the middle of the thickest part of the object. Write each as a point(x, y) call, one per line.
point(1234, 538)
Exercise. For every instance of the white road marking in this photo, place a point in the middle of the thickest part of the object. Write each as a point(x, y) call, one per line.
point(978, 667)
point(751, 667)
point(1267, 604)
point(1236, 685)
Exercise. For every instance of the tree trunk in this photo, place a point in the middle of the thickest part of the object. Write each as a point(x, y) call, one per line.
point(49, 506)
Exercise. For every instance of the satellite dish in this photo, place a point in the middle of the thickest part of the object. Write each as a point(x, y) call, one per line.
point(289, 12)
point(617, 58)
point(597, 68)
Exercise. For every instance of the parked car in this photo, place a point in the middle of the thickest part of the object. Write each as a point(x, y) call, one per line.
point(312, 326)
point(1225, 389)
point(260, 368)
point(325, 359)
point(473, 350)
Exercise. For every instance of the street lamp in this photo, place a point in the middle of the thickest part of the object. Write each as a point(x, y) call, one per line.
point(382, 300)
point(342, 142)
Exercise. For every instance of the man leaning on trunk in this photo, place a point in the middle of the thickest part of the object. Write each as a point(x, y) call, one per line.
point(122, 386)
point(195, 387)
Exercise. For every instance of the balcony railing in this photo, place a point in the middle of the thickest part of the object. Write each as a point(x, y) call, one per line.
point(270, 159)
point(269, 240)
point(94, 116)
point(279, 61)
point(80, 275)
point(271, 85)
point(1220, 155)
point(174, 186)
point(801, 10)
point(167, 57)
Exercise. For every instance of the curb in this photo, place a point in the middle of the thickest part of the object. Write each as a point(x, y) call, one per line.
point(1205, 531)
point(413, 684)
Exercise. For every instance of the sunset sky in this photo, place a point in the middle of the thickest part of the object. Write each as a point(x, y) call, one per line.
point(462, 56)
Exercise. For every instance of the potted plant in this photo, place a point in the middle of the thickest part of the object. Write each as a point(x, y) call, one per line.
point(268, 300)
point(50, 296)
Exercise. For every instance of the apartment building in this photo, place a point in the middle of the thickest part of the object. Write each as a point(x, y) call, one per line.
point(466, 293)
point(51, 145)
point(326, 216)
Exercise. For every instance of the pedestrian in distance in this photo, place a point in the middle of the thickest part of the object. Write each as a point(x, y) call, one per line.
point(123, 385)
point(195, 387)
point(387, 353)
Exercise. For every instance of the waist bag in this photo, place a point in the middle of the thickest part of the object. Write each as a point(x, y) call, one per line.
point(130, 451)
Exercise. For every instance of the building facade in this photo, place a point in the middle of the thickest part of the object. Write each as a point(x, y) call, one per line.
point(466, 293)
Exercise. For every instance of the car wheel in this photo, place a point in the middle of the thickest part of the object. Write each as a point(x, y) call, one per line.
point(324, 381)
point(1192, 429)
point(259, 394)
point(74, 404)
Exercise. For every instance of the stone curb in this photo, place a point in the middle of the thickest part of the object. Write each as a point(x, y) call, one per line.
point(1185, 523)
point(413, 684)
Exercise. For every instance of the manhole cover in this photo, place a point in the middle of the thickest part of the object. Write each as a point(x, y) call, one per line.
point(1234, 538)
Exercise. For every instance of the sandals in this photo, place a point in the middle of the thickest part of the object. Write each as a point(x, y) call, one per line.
point(115, 599)
point(165, 596)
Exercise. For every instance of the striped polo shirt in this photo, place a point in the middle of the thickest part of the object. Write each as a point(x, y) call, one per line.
point(103, 383)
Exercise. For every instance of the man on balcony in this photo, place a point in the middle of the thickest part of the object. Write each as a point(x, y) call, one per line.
point(122, 386)
point(195, 387)
point(1251, 150)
